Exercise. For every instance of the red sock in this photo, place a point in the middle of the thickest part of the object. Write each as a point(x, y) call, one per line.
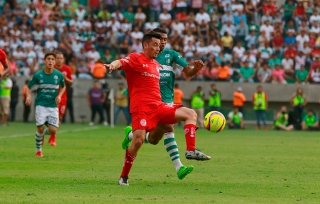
point(128, 162)
point(190, 134)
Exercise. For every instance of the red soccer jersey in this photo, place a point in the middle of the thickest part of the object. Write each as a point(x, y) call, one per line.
point(3, 57)
point(65, 70)
point(143, 78)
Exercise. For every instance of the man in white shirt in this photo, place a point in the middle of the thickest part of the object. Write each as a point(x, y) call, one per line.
point(214, 48)
point(268, 28)
point(117, 15)
point(239, 49)
point(176, 25)
point(301, 38)
point(51, 44)
point(165, 17)
point(315, 17)
point(93, 55)
point(287, 64)
point(136, 34)
point(202, 16)
point(150, 25)
point(114, 25)
point(81, 12)
point(76, 45)
point(28, 43)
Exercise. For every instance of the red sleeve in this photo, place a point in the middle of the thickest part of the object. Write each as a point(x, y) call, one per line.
point(3, 57)
point(129, 62)
point(69, 73)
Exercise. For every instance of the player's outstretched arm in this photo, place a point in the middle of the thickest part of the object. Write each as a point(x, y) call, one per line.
point(113, 65)
point(188, 70)
point(6, 68)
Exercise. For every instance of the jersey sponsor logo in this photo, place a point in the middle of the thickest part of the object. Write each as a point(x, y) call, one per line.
point(144, 65)
point(179, 56)
point(55, 77)
point(165, 74)
point(167, 55)
point(168, 61)
point(143, 122)
point(147, 74)
point(47, 91)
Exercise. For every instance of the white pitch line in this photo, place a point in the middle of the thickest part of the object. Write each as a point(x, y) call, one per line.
point(62, 131)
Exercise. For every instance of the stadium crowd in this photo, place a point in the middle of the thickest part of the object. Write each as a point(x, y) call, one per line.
point(239, 40)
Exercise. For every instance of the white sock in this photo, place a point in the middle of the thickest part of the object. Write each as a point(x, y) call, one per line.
point(130, 136)
point(146, 139)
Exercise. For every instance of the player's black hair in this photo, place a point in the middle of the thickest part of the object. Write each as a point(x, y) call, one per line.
point(148, 36)
point(213, 84)
point(160, 30)
point(310, 110)
point(60, 53)
point(49, 54)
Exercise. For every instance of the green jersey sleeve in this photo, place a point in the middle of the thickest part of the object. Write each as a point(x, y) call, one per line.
point(178, 59)
point(33, 81)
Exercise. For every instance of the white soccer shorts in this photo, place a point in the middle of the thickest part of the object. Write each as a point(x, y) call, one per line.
point(47, 115)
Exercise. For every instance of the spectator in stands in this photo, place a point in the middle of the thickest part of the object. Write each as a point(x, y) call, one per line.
point(107, 102)
point(197, 104)
point(302, 75)
point(227, 42)
point(246, 73)
point(239, 99)
point(210, 72)
point(264, 74)
point(83, 71)
point(315, 75)
point(122, 103)
point(298, 101)
point(260, 105)
point(281, 122)
point(310, 121)
point(235, 119)
point(278, 75)
point(95, 99)
point(224, 73)
point(287, 64)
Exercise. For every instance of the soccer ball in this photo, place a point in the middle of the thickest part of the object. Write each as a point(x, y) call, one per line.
point(214, 121)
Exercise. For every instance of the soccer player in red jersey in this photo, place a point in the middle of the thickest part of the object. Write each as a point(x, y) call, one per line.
point(66, 71)
point(146, 107)
point(4, 62)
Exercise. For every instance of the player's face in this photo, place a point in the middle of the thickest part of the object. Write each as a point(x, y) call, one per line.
point(163, 41)
point(50, 61)
point(59, 60)
point(153, 48)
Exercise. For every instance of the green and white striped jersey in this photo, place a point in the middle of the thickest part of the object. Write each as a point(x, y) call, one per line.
point(167, 76)
point(47, 86)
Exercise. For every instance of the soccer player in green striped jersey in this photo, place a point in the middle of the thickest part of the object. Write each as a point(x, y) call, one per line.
point(167, 58)
point(47, 82)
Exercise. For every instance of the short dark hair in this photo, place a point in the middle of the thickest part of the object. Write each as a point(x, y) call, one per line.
point(60, 53)
point(310, 110)
point(148, 36)
point(160, 30)
point(49, 54)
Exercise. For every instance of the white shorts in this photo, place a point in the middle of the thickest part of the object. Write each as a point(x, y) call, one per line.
point(47, 115)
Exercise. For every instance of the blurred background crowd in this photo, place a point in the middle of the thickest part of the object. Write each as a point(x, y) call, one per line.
point(239, 40)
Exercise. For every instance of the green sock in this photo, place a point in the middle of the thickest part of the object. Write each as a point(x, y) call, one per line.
point(39, 141)
point(172, 149)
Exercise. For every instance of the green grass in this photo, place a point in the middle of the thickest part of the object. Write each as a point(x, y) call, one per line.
point(246, 167)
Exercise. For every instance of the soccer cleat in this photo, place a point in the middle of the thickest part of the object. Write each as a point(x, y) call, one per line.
point(39, 154)
point(197, 155)
point(52, 140)
point(126, 141)
point(123, 181)
point(184, 171)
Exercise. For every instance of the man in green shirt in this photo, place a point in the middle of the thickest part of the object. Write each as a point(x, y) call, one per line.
point(281, 122)
point(50, 87)
point(246, 73)
point(235, 119)
point(167, 58)
point(310, 121)
point(302, 75)
point(129, 14)
point(214, 98)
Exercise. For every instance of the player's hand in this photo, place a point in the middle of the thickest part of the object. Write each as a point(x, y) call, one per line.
point(198, 64)
point(28, 101)
point(109, 67)
point(58, 99)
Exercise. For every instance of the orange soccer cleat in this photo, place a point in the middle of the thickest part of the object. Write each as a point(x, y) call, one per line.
point(52, 140)
point(39, 154)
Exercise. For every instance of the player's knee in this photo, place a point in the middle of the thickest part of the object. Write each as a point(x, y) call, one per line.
point(153, 141)
point(40, 130)
point(192, 115)
point(137, 142)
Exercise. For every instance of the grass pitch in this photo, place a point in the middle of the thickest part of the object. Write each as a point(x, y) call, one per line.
point(246, 167)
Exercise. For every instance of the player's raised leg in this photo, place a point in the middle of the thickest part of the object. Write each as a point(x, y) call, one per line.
point(130, 155)
point(190, 118)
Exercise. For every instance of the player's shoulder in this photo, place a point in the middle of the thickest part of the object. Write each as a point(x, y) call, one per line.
point(38, 73)
point(134, 55)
